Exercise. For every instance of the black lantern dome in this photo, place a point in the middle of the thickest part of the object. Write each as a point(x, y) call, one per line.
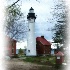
point(31, 14)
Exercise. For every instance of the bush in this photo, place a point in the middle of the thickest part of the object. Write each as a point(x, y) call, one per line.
point(15, 56)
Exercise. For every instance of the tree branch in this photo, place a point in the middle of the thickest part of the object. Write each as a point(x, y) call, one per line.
point(14, 3)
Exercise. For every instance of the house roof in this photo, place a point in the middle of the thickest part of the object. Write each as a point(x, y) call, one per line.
point(43, 41)
point(59, 54)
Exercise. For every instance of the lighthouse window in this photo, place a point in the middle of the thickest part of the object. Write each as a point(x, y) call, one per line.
point(29, 29)
point(28, 50)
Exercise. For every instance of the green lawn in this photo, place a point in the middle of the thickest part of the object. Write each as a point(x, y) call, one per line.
point(47, 60)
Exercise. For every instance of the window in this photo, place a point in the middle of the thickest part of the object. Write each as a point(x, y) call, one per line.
point(28, 50)
point(29, 29)
point(25, 49)
point(58, 57)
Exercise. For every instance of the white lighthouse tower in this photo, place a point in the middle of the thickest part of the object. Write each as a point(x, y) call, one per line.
point(31, 41)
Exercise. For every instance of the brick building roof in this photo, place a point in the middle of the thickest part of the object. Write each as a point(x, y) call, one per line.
point(43, 40)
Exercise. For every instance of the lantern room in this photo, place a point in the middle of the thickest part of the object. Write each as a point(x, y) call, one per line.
point(31, 14)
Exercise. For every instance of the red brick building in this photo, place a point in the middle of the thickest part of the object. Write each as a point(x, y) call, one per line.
point(10, 46)
point(43, 47)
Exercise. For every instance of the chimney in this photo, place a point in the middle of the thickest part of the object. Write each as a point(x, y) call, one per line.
point(42, 36)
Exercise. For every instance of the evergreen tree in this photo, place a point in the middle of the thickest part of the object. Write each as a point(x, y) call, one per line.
point(20, 51)
point(60, 16)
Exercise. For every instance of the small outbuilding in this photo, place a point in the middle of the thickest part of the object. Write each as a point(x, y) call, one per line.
point(43, 47)
point(59, 57)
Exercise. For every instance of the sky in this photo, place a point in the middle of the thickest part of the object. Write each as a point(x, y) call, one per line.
point(44, 15)
point(42, 22)
point(43, 11)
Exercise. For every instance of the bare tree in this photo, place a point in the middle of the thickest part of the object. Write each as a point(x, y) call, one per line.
point(15, 23)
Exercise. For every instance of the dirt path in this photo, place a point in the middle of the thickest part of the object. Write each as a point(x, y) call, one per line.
point(19, 64)
point(16, 64)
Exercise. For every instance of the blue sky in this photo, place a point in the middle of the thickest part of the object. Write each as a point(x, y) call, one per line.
point(44, 17)
point(43, 11)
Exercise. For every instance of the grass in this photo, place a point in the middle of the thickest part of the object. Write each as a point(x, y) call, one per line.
point(50, 68)
point(48, 60)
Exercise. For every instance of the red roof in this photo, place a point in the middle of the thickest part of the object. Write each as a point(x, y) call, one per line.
point(59, 54)
point(43, 41)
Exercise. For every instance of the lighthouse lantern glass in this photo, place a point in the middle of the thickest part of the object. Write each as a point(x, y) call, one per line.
point(31, 11)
